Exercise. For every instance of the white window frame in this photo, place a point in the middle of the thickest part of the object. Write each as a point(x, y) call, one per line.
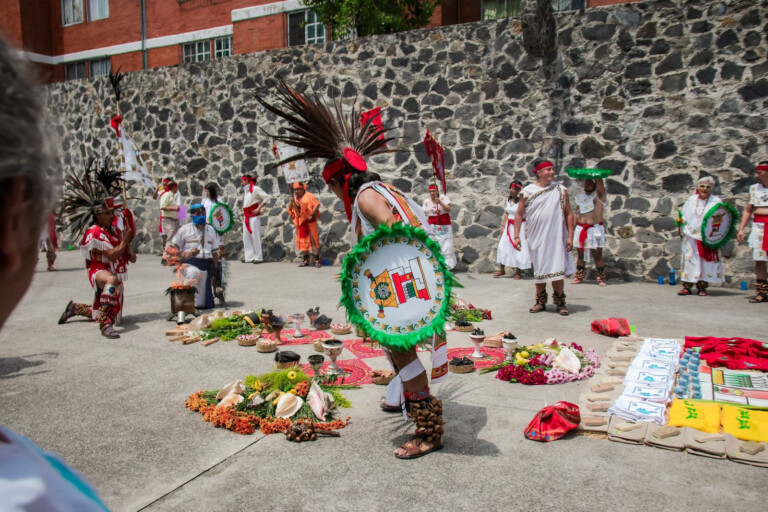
point(222, 47)
point(73, 5)
point(75, 65)
point(199, 51)
point(94, 8)
point(95, 63)
point(316, 25)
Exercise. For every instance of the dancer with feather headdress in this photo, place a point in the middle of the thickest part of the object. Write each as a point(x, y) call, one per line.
point(323, 132)
point(90, 211)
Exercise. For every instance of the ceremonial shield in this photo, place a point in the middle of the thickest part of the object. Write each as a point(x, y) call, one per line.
point(396, 286)
point(588, 174)
point(719, 225)
point(220, 218)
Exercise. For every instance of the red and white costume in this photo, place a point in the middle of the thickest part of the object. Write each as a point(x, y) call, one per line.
point(253, 198)
point(102, 239)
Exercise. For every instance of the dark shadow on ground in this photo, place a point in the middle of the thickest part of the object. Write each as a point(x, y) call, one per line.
point(71, 269)
point(11, 367)
point(234, 304)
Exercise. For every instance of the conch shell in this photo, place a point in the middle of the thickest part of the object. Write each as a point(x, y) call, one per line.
point(288, 405)
point(200, 323)
point(236, 386)
point(231, 399)
point(566, 360)
point(316, 401)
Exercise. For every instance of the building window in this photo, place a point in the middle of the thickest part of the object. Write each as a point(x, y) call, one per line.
point(71, 12)
point(98, 9)
point(305, 28)
point(222, 47)
point(98, 67)
point(495, 9)
point(567, 5)
point(74, 70)
point(198, 51)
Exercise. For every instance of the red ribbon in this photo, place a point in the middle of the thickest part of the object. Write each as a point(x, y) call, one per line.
point(511, 222)
point(115, 123)
point(706, 253)
point(444, 219)
point(584, 233)
point(762, 219)
point(248, 180)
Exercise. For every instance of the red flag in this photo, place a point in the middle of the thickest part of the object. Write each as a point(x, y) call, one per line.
point(435, 151)
point(375, 115)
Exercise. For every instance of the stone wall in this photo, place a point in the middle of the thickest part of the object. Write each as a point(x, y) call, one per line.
point(658, 92)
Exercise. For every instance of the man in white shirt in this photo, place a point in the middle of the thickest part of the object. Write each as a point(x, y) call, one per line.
point(253, 202)
point(169, 207)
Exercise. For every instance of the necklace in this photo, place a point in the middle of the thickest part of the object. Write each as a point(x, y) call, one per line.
point(697, 212)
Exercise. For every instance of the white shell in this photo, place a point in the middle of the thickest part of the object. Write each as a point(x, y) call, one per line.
point(230, 399)
point(235, 386)
point(316, 401)
point(567, 361)
point(288, 405)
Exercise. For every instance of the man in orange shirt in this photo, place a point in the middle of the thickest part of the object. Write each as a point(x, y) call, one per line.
point(304, 209)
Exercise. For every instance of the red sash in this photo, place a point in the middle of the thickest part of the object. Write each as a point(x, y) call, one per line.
point(706, 253)
point(248, 213)
point(585, 233)
point(444, 219)
point(762, 219)
point(511, 222)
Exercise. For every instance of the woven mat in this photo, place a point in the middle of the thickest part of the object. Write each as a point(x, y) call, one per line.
point(286, 336)
point(356, 369)
point(494, 356)
point(363, 349)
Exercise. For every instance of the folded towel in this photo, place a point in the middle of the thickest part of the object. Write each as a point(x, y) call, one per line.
point(735, 449)
point(668, 438)
point(624, 431)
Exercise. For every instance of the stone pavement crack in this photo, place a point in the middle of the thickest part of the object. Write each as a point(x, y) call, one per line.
point(222, 461)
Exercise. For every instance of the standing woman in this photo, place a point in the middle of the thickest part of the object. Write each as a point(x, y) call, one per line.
point(701, 265)
point(210, 199)
point(438, 209)
point(507, 253)
point(323, 132)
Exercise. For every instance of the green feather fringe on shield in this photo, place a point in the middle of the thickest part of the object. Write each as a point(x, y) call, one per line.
point(705, 238)
point(400, 341)
point(215, 227)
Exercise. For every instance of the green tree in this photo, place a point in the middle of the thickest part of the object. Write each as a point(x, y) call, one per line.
point(370, 17)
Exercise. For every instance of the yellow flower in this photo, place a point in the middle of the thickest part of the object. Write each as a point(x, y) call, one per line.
point(292, 376)
point(293, 391)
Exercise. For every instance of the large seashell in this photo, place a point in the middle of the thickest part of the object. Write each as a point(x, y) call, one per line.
point(236, 386)
point(316, 401)
point(330, 402)
point(256, 401)
point(200, 323)
point(231, 399)
point(567, 361)
point(288, 405)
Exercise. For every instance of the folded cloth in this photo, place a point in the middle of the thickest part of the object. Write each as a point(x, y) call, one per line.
point(745, 424)
point(733, 447)
point(704, 444)
point(593, 422)
point(733, 353)
point(702, 416)
point(625, 431)
point(668, 438)
point(611, 327)
point(553, 422)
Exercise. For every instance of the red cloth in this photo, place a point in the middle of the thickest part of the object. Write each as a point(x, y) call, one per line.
point(250, 213)
point(762, 219)
point(553, 422)
point(444, 219)
point(611, 327)
point(52, 231)
point(115, 124)
point(584, 233)
point(706, 253)
point(733, 353)
point(375, 115)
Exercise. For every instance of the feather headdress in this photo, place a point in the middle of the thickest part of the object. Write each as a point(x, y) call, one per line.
point(111, 180)
point(82, 197)
point(324, 132)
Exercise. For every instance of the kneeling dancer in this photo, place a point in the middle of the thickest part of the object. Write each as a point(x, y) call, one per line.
point(103, 247)
point(701, 265)
point(758, 238)
point(549, 227)
point(323, 133)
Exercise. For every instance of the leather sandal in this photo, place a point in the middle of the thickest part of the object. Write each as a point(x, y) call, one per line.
point(414, 449)
point(390, 408)
point(109, 332)
point(68, 312)
point(498, 273)
point(684, 291)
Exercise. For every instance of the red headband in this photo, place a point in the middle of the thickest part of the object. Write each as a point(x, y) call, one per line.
point(516, 186)
point(432, 187)
point(763, 167)
point(542, 165)
point(351, 157)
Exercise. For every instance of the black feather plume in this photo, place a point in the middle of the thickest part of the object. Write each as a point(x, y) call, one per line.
point(81, 195)
point(116, 79)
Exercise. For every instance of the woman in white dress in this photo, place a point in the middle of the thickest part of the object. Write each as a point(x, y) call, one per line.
point(507, 255)
point(437, 209)
point(210, 199)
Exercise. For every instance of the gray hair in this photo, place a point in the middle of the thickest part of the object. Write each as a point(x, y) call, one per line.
point(24, 143)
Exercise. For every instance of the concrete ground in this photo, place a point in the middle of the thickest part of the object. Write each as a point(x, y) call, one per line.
point(115, 408)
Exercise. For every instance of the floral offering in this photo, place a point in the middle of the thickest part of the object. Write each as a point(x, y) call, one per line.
point(548, 363)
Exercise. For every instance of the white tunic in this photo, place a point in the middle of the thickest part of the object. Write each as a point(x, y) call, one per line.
point(443, 234)
point(547, 232)
point(695, 267)
point(252, 237)
point(506, 254)
point(758, 197)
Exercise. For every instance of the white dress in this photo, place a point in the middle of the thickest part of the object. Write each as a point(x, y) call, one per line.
point(442, 233)
point(506, 254)
point(547, 232)
point(695, 265)
point(758, 197)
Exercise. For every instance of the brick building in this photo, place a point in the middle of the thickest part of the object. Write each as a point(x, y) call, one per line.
point(71, 39)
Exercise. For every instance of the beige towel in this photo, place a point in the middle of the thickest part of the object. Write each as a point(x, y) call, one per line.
point(674, 442)
point(732, 448)
point(593, 422)
point(704, 444)
point(624, 431)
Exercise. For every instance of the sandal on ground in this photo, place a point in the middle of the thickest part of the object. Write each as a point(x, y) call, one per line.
point(109, 332)
point(703, 293)
point(498, 273)
point(517, 277)
point(317, 264)
point(600, 282)
point(415, 449)
point(538, 308)
point(390, 408)
point(304, 264)
point(576, 280)
point(68, 313)
point(759, 298)
point(684, 291)
point(562, 310)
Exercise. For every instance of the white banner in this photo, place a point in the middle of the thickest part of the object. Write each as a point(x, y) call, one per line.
point(134, 168)
point(294, 171)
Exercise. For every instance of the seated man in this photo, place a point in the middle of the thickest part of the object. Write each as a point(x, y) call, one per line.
point(197, 245)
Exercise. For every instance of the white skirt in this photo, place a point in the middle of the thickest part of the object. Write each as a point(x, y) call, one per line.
point(696, 268)
point(507, 255)
point(756, 241)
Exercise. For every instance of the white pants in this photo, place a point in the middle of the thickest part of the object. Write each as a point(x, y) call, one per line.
point(191, 272)
point(252, 241)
